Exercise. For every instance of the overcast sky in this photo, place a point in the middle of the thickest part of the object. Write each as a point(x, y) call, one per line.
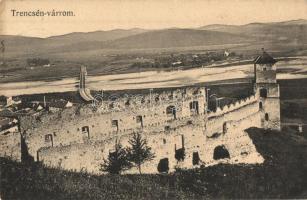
point(149, 14)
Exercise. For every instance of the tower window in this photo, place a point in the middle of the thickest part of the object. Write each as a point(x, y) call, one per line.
point(266, 117)
point(264, 69)
point(263, 93)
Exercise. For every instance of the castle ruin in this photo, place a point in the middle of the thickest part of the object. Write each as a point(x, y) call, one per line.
point(173, 122)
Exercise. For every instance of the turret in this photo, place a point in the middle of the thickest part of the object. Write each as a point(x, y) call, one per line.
point(267, 90)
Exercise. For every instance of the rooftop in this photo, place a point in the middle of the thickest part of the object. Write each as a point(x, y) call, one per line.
point(264, 58)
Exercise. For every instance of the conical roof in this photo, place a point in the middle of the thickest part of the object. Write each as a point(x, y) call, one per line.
point(265, 58)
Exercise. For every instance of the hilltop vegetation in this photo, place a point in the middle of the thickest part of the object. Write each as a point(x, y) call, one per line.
point(283, 175)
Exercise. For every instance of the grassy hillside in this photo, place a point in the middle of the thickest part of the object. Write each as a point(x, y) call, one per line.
point(283, 175)
point(279, 31)
point(19, 45)
point(278, 36)
point(177, 38)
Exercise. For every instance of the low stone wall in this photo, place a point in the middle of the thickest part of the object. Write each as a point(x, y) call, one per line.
point(10, 146)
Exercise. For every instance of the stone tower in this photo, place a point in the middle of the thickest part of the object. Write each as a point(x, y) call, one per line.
point(267, 90)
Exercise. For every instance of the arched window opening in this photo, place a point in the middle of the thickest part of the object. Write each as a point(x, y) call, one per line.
point(220, 152)
point(260, 105)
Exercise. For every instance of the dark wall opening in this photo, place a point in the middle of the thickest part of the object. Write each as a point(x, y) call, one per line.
point(194, 108)
point(163, 165)
point(224, 127)
point(180, 154)
point(86, 131)
point(266, 117)
point(220, 152)
point(49, 139)
point(171, 111)
point(115, 124)
point(139, 120)
point(263, 93)
point(195, 159)
point(179, 148)
point(260, 105)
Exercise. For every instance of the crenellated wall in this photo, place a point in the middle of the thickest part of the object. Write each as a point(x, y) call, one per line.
point(79, 138)
point(193, 132)
point(234, 112)
point(79, 125)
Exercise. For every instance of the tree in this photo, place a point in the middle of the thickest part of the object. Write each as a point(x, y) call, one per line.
point(139, 152)
point(117, 161)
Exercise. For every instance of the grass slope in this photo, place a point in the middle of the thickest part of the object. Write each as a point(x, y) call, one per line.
point(283, 175)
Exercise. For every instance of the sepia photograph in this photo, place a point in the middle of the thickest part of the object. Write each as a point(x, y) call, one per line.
point(153, 99)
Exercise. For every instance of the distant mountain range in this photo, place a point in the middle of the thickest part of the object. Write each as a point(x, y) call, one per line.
point(289, 32)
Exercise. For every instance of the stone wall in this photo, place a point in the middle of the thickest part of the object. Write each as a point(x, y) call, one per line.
point(90, 155)
point(236, 141)
point(10, 145)
point(270, 117)
point(194, 133)
point(234, 112)
point(79, 125)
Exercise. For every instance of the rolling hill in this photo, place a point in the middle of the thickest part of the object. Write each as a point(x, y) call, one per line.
point(164, 39)
point(277, 31)
point(292, 33)
point(20, 45)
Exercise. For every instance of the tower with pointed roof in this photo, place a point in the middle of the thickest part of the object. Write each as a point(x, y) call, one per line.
point(267, 90)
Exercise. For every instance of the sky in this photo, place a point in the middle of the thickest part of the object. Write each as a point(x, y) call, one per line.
point(93, 15)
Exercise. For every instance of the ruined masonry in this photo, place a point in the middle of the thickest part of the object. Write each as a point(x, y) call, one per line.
point(176, 124)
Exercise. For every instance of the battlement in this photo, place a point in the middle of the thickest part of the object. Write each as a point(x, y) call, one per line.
point(147, 101)
point(234, 106)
